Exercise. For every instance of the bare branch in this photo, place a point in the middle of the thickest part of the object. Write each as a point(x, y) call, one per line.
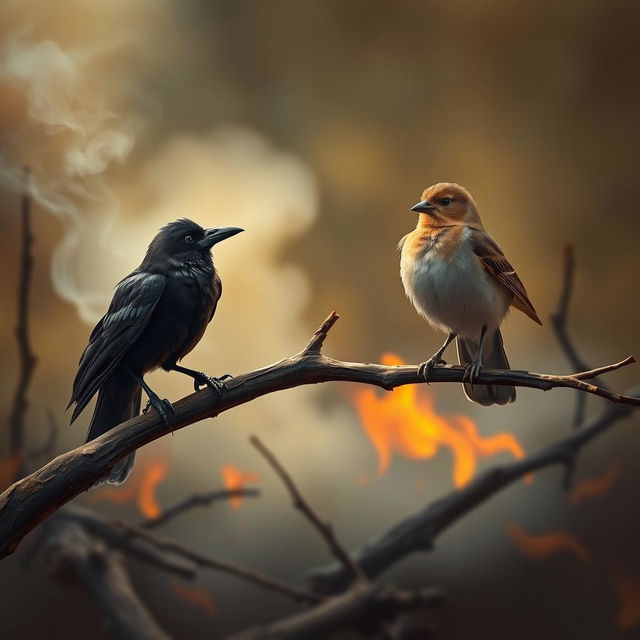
point(75, 555)
point(25, 352)
point(99, 526)
point(325, 529)
point(29, 501)
point(363, 607)
point(197, 500)
point(418, 532)
point(207, 562)
point(316, 342)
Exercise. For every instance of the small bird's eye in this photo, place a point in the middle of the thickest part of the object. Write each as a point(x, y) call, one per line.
point(188, 239)
point(445, 201)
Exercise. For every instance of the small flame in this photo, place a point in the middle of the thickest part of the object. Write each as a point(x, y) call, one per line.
point(596, 487)
point(627, 589)
point(405, 422)
point(9, 470)
point(545, 545)
point(196, 596)
point(141, 488)
point(154, 474)
point(234, 479)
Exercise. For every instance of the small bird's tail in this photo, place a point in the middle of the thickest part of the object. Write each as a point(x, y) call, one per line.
point(493, 357)
point(118, 400)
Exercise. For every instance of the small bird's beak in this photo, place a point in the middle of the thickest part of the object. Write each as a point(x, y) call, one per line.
point(423, 207)
point(213, 236)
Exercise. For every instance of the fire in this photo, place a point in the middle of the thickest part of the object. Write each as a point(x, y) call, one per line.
point(196, 596)
point(234, 479)
point(154, 474)
point(596, 487)
point(141, 488)
point(406, 422)
point(545, 545)
point(627, 588)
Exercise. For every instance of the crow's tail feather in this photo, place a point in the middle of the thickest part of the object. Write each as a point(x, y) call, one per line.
point(118, 400)
point(493, 357)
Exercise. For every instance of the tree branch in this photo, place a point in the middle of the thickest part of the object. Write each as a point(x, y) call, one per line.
point(418, 532)
point(73, 554)
point(299, 502)
point(25, 352)
point(197, 500)
point(208, 562)
point(363, 607)
point(32, 499)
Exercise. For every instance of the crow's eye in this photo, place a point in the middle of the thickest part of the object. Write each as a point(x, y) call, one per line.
point(188, 239)
point(445, 201)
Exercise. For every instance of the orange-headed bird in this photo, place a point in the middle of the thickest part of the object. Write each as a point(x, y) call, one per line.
point(458, 279)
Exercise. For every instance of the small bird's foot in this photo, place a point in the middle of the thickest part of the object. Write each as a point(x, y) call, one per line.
point(472, 371)
point(162, 406)
point(425, 368)
point(203, 380)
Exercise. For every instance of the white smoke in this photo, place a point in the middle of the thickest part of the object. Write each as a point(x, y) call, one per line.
point(68, 139)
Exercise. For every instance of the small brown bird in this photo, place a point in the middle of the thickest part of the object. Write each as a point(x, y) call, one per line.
point(459, 280)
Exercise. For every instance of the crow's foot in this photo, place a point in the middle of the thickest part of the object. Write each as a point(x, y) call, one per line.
point(162, 406)
point(203, 380)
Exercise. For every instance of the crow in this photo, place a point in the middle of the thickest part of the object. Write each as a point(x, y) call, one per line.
point(158, 314)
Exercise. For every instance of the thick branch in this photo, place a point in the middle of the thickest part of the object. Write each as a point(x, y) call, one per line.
point(29, 501)
point(299, 502)
point(76, 555)
point(417, 532)
point(118, 538)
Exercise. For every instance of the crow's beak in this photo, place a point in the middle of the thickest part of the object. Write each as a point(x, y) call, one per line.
point(213, 236)
point(423, 207)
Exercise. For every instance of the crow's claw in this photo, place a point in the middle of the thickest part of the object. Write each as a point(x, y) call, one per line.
point(162, 406)
point(425, 368)
point(203, 380)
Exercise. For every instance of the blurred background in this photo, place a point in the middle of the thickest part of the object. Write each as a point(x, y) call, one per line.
point(315, 126)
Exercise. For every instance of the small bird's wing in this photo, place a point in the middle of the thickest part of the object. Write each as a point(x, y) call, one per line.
point(132, 306)
point(500, 268)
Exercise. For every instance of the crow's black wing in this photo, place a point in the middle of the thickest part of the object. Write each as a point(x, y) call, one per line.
point(132, 306)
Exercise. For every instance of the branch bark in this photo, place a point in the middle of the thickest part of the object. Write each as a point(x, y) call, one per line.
point(32, 499)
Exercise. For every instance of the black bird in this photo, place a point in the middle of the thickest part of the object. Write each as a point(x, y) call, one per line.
point(158, 314)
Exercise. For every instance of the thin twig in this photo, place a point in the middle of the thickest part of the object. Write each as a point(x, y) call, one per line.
point(26, 355)
point(299, 502)
point(32, 499)
point(200, 560)
point(197, 500)
point(559, 322)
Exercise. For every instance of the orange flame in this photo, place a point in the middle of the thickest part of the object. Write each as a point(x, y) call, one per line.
point(234, 479)
point(596, 487)
point(196, 596)
point(545, 545)
point(142, 486)
point(405, 422)
point(9, 470)
point(627, 588)
point(154, 474)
